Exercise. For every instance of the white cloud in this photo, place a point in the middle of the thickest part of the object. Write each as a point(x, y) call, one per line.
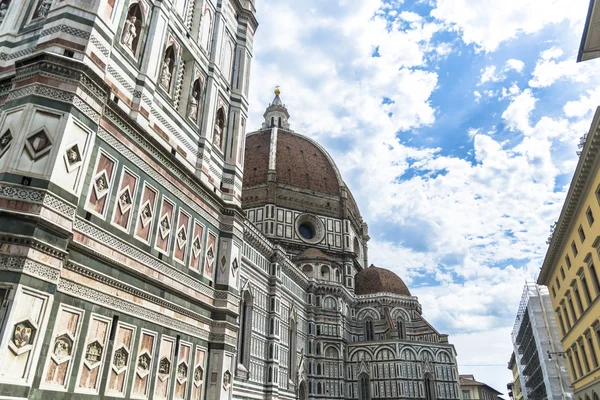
point(477, 96)
point(549, 70)
point(514, 64)
point(488, 74)
point(517, 114)
point(489, 23)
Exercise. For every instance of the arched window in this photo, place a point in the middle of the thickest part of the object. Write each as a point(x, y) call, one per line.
point(356, 247)
point(429, 387)
point(364, 389)
point(329, 303)
point(319, 388)
point(595, 396)
point(245, 329)
point(272, 122)
point(279, 123)
point(401, 329)
point(325, 273)
point(338, 278)
point(270, 374)
point(308, 270)
point(205, 29)
point(369, 333)
point(319, 370)
point(226, 61)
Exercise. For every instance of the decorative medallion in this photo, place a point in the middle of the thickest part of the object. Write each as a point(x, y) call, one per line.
point(234, 267)
point(165, 226)
point(120, 360)
point(38, 144)
point(226, 380)
point(197, 247)
point(143, 364)
point(181, 237)
point(146, 214)
point(182, 372)
point(93, 354)
point(73, 157)
point(164, 368)
point(198, 374)
point(101, 184)
point(5, 142)
point(22, 337)
point(63, 347)
point(125, 201)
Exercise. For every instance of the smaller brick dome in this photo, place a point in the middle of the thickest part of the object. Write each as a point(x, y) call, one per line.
point(379, 280)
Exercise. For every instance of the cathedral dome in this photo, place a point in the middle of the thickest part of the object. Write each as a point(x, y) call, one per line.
point(379, 280)
point(290, 170)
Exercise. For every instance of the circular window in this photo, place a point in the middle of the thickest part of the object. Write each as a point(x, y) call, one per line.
point(310, 229)
point(306, 231)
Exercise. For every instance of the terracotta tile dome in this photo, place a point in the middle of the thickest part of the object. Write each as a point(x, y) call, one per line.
point(379, 280)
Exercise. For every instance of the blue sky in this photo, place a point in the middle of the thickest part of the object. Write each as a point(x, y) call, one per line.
point(455, 123)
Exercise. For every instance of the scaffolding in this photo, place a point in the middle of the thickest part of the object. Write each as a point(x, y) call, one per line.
point(538, 353)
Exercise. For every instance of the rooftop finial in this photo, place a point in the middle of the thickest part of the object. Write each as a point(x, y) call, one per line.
point(277, 90)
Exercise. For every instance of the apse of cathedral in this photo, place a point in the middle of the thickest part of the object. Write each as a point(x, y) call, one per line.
point(132, 263)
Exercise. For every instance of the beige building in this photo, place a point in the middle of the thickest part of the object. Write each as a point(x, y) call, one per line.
point(515, 386)
point(475, 390)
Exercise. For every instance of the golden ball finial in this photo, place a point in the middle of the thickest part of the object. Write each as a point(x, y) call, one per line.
point(277, 90)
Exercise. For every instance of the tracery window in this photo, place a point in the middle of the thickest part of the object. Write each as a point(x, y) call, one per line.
point(364, 390)
point(245, 329)
point(401, 329)
point(369, 332)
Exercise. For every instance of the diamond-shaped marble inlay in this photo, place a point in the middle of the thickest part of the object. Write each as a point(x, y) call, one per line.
point(5, 142)
point(234, 267)
point(101, 184)
point(181, 237)
point(38, 144)
point(125, 201)
point(165, 226)
point(210, 255)
point(73, 157)
point(197, 247)
point(146, 214)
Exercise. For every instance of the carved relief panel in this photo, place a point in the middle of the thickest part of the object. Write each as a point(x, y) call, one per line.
point(182, 234)
point(182, 374)
point(94, 353)
point(121, 360)
point(62, 348)
point(37, 141)
point(146, 210)
point(25, 332)
point(144, 365)
point(165, 225)
point(126, 192)
point(100, 184)
point(211, 256)
point(198, 373)
point(165, 364)
point(197, 246)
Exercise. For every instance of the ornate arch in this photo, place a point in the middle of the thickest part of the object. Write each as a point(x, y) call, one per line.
point(424, 351)
point(380, 351)
point(368, 312)
point(442, 356)
point(332, 347)
point(407, 353)
point(361, 353)
point(399, 312)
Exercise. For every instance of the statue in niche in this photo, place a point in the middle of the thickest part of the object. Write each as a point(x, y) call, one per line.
point(194, 105)
point(165, 75)
point(3, 11)
point(129, 32)
point(43, 9)
point(219, 126)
